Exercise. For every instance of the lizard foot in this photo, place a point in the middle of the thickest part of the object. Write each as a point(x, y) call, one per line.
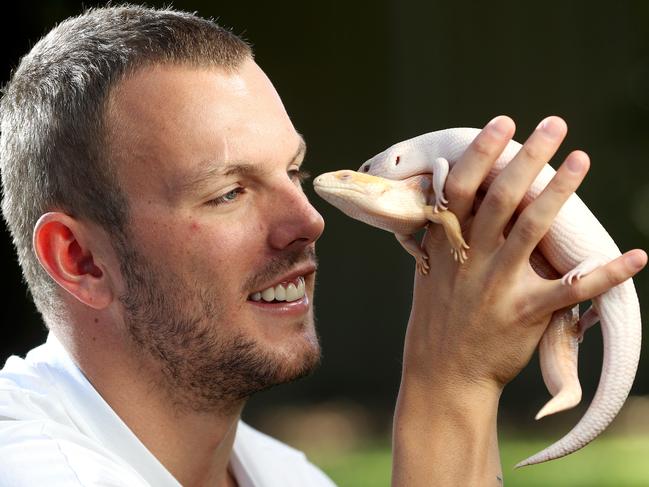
point(459, 254)
point(440, 205)
point(413, 247)
point(422, 265)
point(453, 231)
point(583, 269)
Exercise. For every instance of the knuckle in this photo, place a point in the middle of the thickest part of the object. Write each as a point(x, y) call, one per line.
point(499, 197)
point(527, 311)
point(455, 188)
point(576, 293)
point(613, 275)
point(533, 152)
point(482, 147)
point(528, 227)
point(561, 186)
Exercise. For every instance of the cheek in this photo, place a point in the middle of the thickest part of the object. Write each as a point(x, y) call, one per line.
point(222, 248)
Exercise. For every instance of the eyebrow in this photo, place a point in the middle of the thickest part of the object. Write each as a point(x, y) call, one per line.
point(209, 170)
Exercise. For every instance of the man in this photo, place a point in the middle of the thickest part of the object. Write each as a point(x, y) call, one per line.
point(151, 183)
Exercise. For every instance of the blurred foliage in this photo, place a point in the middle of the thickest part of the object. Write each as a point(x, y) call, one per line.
point(607, 462)
point(358, 76)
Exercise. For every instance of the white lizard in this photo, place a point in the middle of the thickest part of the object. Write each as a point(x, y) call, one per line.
point(575, 245)
point(401, 207)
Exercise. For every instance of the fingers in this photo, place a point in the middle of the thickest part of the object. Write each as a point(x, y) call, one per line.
point(509, 187)
point(472, 168)
point(536, 219)
point(558, 295)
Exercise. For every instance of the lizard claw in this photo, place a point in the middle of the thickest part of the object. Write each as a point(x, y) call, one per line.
point(459, 255)
point(440, 204)
point(422, 265)
point(569, 278)
point(582, 269)
point(439, 207)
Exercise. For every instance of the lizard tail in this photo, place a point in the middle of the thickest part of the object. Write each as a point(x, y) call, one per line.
point(620, 319)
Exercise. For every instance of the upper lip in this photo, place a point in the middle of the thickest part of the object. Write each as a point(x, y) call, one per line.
point(301, 270)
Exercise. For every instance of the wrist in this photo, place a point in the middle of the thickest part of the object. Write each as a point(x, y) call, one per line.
point(431, 362)
point(445, 433)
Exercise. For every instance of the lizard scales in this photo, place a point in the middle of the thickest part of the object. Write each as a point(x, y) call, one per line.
point(575, 237)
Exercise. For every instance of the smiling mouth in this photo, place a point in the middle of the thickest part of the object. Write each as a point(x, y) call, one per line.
point(288, 291)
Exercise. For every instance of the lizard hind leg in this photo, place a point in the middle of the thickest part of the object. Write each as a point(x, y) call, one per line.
point(587, 320)
point(558, 353)
point(453, 231)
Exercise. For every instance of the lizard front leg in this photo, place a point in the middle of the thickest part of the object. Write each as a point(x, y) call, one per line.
point(413, 247)
point(453, 231)
point(440, 168)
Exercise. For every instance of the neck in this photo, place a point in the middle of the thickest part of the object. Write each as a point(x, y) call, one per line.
point(195, 447)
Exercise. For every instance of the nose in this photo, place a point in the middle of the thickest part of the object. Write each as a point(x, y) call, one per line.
point(293, 221)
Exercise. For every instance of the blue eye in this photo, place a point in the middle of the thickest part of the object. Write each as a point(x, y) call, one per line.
point(228, 197)
point(231, 195)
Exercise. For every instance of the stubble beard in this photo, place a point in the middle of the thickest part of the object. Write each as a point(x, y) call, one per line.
point(177, 324)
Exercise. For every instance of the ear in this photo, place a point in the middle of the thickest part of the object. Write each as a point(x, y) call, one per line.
point(63, 246)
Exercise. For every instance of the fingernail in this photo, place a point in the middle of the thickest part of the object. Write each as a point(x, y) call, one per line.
point(637, 260)
point(550, 127)
point(499, 126)
point(574, 164)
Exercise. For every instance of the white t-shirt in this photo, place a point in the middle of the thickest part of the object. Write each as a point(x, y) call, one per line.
point(57, 431)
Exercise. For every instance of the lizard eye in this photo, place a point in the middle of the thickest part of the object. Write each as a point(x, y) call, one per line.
point(396, 162)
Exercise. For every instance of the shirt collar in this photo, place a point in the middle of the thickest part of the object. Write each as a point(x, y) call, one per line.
point(95, 418)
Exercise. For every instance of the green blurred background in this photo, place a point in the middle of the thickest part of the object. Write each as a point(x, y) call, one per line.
point(358, 76)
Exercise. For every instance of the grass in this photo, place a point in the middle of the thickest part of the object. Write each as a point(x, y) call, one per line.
point(607, 462)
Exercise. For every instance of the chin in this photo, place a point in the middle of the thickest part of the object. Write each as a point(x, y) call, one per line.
point(299, 356)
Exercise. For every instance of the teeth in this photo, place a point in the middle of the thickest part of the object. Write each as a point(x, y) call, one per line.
point(291, 292)
point(268, 294)
point(281, 292)
point(300, 287)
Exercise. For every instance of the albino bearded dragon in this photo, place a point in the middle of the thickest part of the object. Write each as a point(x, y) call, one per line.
point(392, 191)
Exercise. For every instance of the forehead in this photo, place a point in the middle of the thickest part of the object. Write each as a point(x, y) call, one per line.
point(166, 121)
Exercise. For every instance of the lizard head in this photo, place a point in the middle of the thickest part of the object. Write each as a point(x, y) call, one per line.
point(377, 201)
point(356, 194)
point(350, 191)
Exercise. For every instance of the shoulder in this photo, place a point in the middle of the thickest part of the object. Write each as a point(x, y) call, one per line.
point(40, 452)
point(270, 462)
point(41, 442)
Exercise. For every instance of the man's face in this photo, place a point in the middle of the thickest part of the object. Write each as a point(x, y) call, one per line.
point(209, 162)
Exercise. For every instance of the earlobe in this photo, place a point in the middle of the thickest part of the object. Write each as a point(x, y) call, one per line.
point(59, 243)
